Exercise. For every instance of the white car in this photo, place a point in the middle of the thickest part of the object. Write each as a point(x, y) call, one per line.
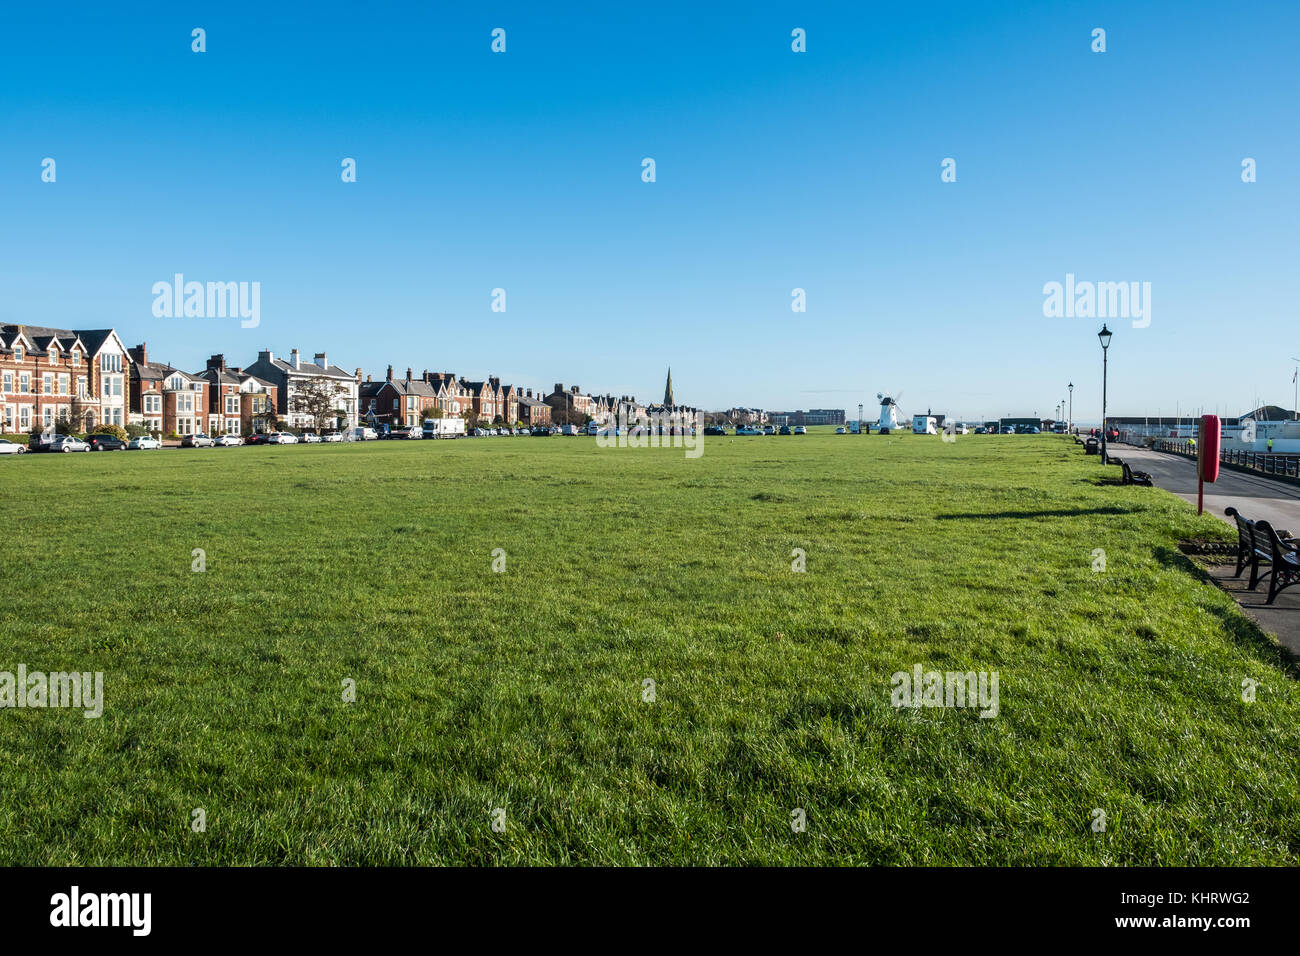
point(198, 440)
point(229, 441)
point(282, 438)
point(9, 448)
point(143, 442)
point(310, 438)
point(332, 436)
point(68, 443)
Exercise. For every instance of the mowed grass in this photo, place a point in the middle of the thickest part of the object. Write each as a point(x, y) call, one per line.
point(1119, 691)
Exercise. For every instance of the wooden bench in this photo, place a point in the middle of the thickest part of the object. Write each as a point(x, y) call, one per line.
point(1132, 477)
point(1245, 542)
point(1267, 544)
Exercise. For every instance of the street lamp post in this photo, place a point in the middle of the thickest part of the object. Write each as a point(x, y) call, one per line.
point(1069, 419)
point(1104, 338)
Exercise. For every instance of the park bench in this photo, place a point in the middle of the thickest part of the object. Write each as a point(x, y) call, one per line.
point(1268, 545)
point(1245, 542)
point(1132, 477)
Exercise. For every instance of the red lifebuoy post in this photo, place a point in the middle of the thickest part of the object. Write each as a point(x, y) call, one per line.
point(1207, 457)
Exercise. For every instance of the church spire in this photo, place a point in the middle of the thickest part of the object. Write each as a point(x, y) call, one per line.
point(668, 389)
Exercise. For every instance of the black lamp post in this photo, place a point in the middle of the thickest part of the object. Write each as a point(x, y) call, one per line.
point(1104, 338)
point(1069, 420)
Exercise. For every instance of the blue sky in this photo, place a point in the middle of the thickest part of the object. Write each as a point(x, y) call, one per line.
point(775, 170)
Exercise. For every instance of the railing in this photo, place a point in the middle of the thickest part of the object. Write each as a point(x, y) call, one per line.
point(1281, 466)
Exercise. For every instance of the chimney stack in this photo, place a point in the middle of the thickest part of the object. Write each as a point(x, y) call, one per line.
point(408, 374)
point(390, 373)
point(321, 360)
point(218, 362)
point(139, 354)
point(293, 359)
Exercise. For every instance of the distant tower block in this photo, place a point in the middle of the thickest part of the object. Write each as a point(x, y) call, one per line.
point(668, 389)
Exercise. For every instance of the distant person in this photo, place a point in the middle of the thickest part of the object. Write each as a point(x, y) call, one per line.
point(1270, 444)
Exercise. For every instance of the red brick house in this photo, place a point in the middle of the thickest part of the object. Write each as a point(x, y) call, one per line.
point(165, 399)
point(48, 375)
point(532, 410)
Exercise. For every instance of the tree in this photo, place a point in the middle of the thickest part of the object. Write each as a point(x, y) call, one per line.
point(117, 431)
point(316, 398)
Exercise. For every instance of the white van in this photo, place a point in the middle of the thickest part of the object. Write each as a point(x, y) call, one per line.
point(362, 433)
point(924, 425)
point(444, 428)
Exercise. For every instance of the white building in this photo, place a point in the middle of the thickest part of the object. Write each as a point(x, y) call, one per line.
point(289, 376)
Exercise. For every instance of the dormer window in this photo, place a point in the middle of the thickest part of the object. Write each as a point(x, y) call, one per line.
point(76, 357)
point(18, 353)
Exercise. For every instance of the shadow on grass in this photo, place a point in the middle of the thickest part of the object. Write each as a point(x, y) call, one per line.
point(1046, 513)
point(1238, 625)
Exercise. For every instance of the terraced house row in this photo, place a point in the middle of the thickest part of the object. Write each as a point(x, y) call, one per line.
point(89, 378)
point(406, 402)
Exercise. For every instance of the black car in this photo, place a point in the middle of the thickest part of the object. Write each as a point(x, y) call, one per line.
point(785, 430)
point(258, 439)
point(541, 431)
point(105, 443)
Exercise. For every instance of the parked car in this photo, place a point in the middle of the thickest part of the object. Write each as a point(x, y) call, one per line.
point(309, 438)
point(11, 448)
point(282, 438)
point(144, 443)
point(229, 441)
point(105, 443)
point(331, 437)
point(198, 440)
point(68, 443)
point(841, 430)
point(800, 430)
point(257, 438)
point(785, 430)
point(541, 431)
point(748, 430)
point(363, 433)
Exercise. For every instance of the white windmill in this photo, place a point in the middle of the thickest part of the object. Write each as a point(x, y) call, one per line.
point(888, 413)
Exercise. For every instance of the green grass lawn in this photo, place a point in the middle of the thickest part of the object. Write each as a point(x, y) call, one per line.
point(522, 690)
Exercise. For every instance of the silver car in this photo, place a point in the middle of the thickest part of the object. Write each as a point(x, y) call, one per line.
point(68, 443)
